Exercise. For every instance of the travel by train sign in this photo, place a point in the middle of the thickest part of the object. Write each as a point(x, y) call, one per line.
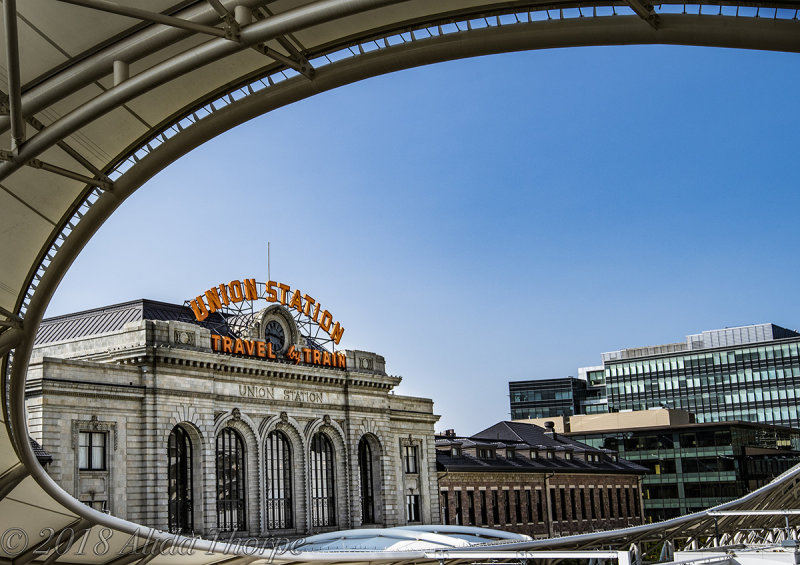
point(263, 350)
point(234, 300)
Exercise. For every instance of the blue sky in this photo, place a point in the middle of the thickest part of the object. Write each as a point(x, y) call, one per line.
point(492, 219)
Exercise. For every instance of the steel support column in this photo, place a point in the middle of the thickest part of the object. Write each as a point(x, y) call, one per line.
point(14, 85)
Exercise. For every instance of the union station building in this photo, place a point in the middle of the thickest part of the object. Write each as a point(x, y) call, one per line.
point(203, 418)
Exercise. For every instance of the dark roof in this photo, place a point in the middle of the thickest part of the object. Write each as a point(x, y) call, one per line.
point(113, 318)
point(530, 434)
point(520, 436)
point(41, 455)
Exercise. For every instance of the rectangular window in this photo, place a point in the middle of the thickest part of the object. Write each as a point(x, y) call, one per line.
point(553, 514)
point(530, 506)
point(583, 504)
point(517, 506)
point(445, 507)
point(507, 501)
point(495, 508)
point(592, 505)
point(410, 459)
point(459, 517)
point(412, 507)
point(562, 510)
point(539, 509)
point(470, 508)
point(573, 504)
point(619, 503)
point(628, 507)
point(484, 516)
point(92, 451)
point(610, 503)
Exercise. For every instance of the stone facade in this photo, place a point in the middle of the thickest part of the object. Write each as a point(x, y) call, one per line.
point(133, 386)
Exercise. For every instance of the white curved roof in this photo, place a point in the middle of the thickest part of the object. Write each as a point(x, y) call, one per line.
point(95, 103)
point(407, 538)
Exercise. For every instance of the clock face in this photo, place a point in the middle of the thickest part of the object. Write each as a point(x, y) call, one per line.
point(275, 335)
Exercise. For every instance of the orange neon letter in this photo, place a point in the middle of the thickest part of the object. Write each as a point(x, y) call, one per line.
point(199, 309)
point(336, 333)
point(297, 302)
point(215, 341)
point(223, 292)
point(285, 288)
point(235, 288)
point(272, 294)
point(325, 322)
point(214, 302)
point(250, 289)
point(309, 302)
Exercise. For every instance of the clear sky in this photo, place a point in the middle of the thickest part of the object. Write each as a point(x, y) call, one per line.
point(493, 219)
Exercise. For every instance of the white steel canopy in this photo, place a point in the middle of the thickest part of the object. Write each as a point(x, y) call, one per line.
point(97, 97)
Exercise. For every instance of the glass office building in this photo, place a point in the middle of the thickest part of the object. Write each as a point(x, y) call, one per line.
point(750, 373)
point(696, 466)
point(551, 398)
point(546, 398)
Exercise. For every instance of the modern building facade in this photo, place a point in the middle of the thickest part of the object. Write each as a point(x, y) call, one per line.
point(527, 479)
point(154, 418)
point(692, 466)
point(748, 373)
point(552, 398)
point(545, 398)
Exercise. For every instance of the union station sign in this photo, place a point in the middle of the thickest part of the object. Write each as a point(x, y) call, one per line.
point(270, 340)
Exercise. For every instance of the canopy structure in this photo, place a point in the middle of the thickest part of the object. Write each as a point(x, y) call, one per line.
point(97, 97)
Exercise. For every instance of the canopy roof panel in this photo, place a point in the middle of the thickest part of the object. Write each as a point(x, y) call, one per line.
point(94, 103)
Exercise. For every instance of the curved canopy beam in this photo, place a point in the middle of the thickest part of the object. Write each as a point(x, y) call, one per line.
point(103, 102)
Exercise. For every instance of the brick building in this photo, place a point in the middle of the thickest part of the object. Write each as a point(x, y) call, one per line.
point(147, 419)
point(528, 479)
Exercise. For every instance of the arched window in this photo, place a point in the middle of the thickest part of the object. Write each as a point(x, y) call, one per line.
point(180, 485)
point(367, 488)
point(323, 498)
point(231, 487)
point(278, 465)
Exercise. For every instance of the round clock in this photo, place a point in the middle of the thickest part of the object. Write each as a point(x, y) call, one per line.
point(275, 335)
